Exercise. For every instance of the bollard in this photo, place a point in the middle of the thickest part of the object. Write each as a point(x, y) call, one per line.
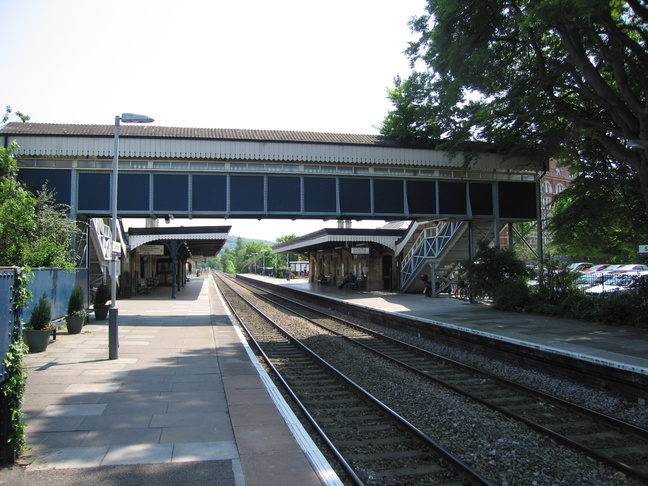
point(113, 333)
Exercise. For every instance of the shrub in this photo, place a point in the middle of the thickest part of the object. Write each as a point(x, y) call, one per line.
point(41, 315)
point(101, 296)
point(544, 308)
point(617, 309)
point(511, 295)
point(76, 302)
point(491, 267)
point(580, 306)
point(556, 282)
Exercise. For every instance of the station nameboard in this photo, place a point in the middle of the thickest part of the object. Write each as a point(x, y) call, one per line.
point(360, 250)
point(151, 250)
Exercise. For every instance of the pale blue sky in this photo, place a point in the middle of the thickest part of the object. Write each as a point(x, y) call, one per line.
point(279, 65)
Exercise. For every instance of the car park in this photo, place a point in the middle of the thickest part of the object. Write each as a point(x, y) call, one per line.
point(617, 282)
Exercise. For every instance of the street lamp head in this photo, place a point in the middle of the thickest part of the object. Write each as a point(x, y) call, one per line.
point(133, 118)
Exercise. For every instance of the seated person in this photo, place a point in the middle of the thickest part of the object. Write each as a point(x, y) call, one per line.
point(350, 278)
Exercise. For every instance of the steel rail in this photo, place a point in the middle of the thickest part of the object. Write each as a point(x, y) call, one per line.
point(636, 472)
point(458, 464)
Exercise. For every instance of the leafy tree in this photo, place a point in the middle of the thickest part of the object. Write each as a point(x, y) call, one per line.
point(600, 215)
point(539, 78)
point(256, 252)
point(35, 231)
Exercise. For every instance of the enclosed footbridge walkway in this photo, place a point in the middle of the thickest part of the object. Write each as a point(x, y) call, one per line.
point(175, 172)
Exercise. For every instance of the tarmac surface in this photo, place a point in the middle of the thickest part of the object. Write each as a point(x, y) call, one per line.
point(187, 403)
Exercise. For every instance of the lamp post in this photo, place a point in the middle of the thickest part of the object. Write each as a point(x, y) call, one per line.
point(113, 330)
point(255, 265)
point(263, 252)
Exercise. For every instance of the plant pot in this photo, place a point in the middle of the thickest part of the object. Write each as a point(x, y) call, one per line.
point(101, 313)
point(74, 324)
point(37, 341)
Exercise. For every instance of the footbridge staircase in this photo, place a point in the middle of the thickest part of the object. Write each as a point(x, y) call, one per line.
point(436, 248)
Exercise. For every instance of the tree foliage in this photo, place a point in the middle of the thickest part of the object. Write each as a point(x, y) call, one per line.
point(249, 255)
point(492, 267)
point(538, 78)
point(600, 214)
point(35, 231)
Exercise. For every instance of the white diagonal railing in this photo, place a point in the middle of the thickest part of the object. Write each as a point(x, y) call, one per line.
point(429, 245)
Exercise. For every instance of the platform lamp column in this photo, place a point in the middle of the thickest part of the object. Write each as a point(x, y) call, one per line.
point(263, 252)
point(113, 326)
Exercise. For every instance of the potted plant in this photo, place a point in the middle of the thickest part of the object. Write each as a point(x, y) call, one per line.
point(100, 302)
point(76, 313)
point(38, 330)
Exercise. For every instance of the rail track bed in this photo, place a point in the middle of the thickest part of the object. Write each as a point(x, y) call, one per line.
point(373, 444)
point(507, 433)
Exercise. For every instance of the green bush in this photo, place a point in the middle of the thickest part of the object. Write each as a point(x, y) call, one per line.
point(556, 282)
point(579, 306)
point(76, 302)
point(102, 295)
point(617, 309)
point(544, 308)
point(41, 315)
point(491, 267)
point(511, 295)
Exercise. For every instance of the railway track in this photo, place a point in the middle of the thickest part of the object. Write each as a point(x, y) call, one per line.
point(621, 445)
point(374, 445)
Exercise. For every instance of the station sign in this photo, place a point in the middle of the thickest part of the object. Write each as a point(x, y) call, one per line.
point(643, 250)
point(116, 249)
point(151, 250)
point(359, 250)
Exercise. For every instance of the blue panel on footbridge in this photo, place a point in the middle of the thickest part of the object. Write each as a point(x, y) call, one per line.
point(287, 196)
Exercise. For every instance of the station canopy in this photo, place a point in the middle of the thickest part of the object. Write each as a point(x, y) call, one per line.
point(192, 242)
point(338, 239)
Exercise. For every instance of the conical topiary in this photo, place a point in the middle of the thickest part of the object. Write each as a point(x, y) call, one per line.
point(41, 315)
point(76, 302)
point(101, 296)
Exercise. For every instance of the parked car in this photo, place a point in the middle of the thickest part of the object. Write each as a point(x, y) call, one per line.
point(578, 267)
point(611, 268)
point(588, 280)
point(631, 268)
point(596, 268)
point(617, 282)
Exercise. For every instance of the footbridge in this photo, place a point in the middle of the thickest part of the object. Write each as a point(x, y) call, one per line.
point(224, 173)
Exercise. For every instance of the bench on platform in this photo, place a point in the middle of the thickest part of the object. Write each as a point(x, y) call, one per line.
point(56, 324)
point(143, 286)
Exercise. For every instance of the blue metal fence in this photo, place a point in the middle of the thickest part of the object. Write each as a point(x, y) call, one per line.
point(57, 285)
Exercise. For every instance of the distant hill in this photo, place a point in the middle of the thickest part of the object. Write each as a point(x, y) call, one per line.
point(231, 242)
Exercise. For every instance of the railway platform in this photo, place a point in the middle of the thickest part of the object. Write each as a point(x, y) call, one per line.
point(185, 403)
point(619, 346)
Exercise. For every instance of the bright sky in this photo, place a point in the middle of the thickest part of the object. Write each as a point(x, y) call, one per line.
point(299, 65)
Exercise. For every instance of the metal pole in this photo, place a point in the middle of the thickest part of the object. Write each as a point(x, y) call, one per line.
point(113, 326)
